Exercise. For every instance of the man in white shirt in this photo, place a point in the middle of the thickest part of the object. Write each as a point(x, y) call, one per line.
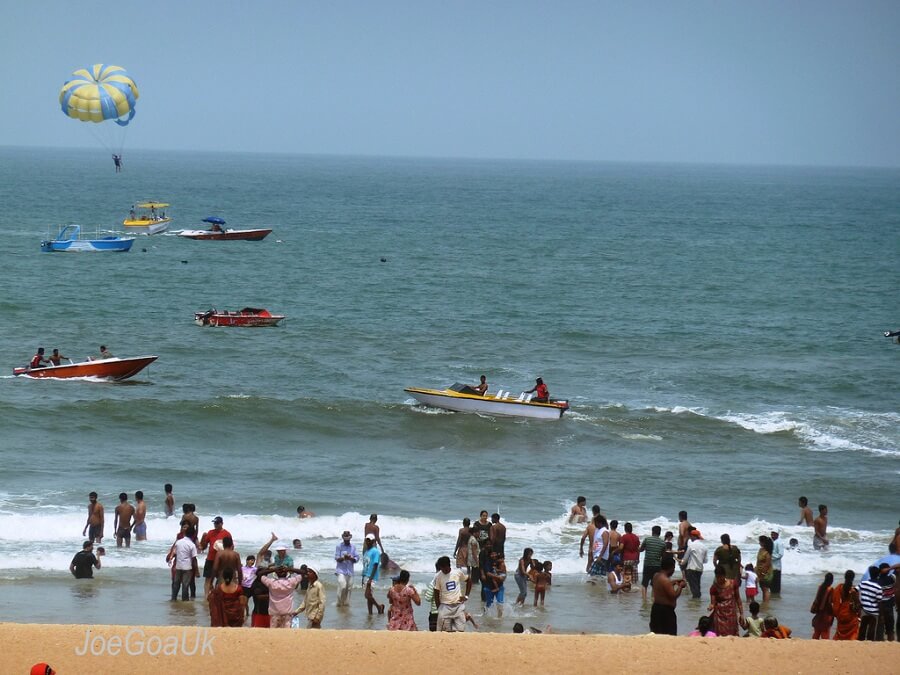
point(185, 551)
point(448, 596)
point(694, 560)
point(777, 555)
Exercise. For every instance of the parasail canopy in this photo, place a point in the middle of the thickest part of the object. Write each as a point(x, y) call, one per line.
point(99, 93)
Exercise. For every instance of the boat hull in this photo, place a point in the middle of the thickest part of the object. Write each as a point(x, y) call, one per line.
point(115, 244)
point(227, 235)
point(488, 405)
point(146, 226)
point(107, 369)
point(237, 320)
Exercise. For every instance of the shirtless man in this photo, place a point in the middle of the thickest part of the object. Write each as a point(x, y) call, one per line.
point(302, 512)
point(806, 516)
point(820, 524)
point(94, 520)
point(665, 595)
point(578, 514)
point(462, 537)
point(497, 534)
point(483, 386)
point(122, 523)
point(170, 500)
point(227, 558)
point(684, 530)
point(589, 537)
point(190, 517)
point(140, 516)
point(615, 548)
point(372, 528)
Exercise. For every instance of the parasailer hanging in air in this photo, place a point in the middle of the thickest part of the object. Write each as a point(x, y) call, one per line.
point(102, 94)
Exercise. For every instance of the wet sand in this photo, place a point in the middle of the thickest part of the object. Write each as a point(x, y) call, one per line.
point(348, 651)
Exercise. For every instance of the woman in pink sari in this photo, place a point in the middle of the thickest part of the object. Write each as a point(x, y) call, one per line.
point(401, 596)
point(725, 603)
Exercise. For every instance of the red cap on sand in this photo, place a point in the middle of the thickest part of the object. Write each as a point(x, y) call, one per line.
point(42, 669)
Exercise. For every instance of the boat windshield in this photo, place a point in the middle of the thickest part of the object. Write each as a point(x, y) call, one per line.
point(462, 389)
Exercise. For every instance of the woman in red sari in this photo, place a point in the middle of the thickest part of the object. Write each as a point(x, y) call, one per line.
point(845, 606)
point(227, 602)
point(725, 603)
point(823, 614)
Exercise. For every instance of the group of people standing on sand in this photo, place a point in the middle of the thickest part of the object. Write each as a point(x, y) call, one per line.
point(614, 556)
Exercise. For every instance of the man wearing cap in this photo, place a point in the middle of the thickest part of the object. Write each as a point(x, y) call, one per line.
point(281, 559)
point(345, 556)
point(314, 602)
point(694, 560)
point(777, 555)
point(371, 565)
point(209, 540)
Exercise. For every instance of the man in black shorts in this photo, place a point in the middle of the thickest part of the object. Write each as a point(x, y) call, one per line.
point(653, 547)
point(665, 594)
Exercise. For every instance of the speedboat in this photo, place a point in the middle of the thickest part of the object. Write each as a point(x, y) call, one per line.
point(218, 233)
point(247, 317)
point(147, 218)
point(463, 398)
point(106, 369)
point(70, 239)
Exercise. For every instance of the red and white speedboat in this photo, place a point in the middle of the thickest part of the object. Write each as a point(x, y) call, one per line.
point(106, 369)
point(247, 317)
point(218, 233)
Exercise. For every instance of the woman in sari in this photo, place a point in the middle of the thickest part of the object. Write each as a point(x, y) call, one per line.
point(725, 603)
point(764, 570)
point(823, 614)
point(845, 607)
point(227, 602)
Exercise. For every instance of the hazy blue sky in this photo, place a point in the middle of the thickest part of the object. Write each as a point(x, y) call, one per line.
point(745, 82)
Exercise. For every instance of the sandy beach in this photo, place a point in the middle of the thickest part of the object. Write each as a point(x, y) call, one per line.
point(173, 649)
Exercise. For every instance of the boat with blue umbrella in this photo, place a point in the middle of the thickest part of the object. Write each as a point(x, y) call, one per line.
point(218, 232)
point(71, 239)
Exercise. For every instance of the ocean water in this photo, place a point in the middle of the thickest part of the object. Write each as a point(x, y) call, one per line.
point(716, 329)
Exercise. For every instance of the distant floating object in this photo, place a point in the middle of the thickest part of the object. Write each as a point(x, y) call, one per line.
point(384, 260)
point(143, 250)
point(184, 262)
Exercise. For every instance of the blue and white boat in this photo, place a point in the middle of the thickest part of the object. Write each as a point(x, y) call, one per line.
point(70, 239)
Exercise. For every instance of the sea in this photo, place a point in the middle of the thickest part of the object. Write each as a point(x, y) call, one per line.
point(718, 331)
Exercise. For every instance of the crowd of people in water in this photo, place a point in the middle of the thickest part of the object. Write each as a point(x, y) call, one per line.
point(260, 588)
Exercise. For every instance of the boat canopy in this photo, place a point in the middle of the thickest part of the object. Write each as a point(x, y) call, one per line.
point(152, 205)
point(215, 220)
point(462, 388)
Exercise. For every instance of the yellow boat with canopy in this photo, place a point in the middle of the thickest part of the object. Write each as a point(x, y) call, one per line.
point(147, 218)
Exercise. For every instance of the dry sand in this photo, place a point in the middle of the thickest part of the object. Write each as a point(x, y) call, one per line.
point(247, 650)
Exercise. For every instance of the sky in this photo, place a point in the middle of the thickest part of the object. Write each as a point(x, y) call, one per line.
point(797, 82)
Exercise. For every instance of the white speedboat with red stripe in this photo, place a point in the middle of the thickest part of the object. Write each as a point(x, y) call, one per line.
point(463, 398)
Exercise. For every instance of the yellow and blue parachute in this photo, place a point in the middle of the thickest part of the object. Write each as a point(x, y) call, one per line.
point(99, 93)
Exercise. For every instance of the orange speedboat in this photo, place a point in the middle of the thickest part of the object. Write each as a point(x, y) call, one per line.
point(105, 369)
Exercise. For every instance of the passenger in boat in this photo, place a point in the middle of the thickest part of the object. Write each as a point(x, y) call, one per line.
point(215, 228)
point(131, 214)
point(542, 394)
point(105, 353)
point(56, 358)
point(483, 387)
point(38, 360)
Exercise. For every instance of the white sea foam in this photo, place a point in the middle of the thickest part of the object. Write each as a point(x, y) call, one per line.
point(41, 539)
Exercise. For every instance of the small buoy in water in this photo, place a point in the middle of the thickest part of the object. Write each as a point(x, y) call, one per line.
point(384, 260)
point(184, 262)
point(143, 250)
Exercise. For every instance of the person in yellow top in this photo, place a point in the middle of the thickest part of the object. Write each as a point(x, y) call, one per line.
point(314, 602)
